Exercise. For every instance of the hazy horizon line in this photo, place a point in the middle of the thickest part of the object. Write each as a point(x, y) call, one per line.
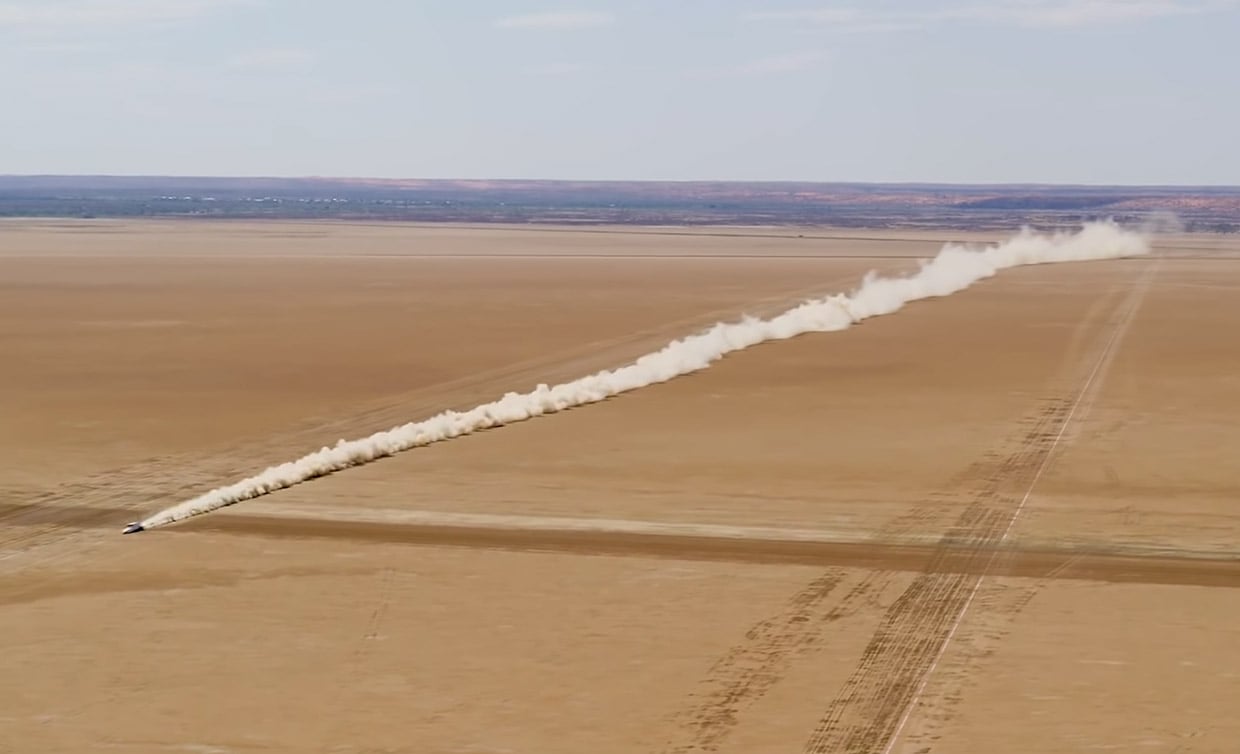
point(738, 181)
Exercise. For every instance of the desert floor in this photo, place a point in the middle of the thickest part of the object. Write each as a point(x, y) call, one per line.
point(1001, 521)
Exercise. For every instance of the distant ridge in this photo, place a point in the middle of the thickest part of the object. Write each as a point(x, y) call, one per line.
point(904, 205)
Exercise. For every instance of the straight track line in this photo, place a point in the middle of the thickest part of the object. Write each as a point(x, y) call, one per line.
point(1121, 328)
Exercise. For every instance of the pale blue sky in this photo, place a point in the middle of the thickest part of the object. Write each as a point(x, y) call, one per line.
point(1056, 91)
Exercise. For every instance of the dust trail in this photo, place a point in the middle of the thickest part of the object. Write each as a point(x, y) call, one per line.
point(954, 268)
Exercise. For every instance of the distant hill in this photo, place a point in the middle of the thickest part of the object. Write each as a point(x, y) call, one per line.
point(1214, 209)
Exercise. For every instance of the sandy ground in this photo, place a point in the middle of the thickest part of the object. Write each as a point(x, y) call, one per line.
point(1001, 521)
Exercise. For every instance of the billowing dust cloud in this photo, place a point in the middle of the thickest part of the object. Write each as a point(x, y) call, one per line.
point(953, 269)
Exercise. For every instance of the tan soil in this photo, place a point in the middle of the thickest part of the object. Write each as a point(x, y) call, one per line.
point(1001, 521)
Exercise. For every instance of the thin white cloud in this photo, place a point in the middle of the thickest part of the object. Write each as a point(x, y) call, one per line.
point(847, 19)
point(53, 14)
point(1070, 13)
point(1023, 13)
point(814, 15)
point(558, 21)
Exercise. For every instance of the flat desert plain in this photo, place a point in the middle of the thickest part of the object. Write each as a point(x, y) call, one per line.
point(1000, 521)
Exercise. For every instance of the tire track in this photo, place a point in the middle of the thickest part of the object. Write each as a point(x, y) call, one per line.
point(875, 703)
point(712, 713)
point(910, 633)
point(748, 670)
point(1086, 395)
point(754, 665)
point(1096, 560)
